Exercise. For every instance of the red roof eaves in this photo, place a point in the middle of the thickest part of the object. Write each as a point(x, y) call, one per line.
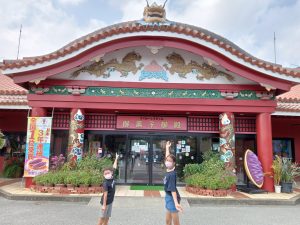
point(134, 26)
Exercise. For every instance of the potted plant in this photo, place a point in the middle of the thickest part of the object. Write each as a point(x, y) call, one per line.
point(277, 173)
point(289, 172)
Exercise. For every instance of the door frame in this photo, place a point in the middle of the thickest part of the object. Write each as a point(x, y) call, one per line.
point(150, 138)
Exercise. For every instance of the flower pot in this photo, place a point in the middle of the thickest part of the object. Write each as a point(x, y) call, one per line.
point(287, 187)
point(277, 189)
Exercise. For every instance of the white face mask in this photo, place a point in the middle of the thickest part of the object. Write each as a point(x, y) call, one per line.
point(169, 165)
point(108, 176)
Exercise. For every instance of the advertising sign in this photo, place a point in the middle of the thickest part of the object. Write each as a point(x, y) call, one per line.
point(37, 146)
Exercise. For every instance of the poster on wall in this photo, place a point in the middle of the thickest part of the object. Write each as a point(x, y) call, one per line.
point(37, 146)
point(282, 147)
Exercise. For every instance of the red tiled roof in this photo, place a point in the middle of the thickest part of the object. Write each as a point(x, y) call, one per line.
point(11, 93)
point(292, 96)
point(289, 101)
point(141, 26)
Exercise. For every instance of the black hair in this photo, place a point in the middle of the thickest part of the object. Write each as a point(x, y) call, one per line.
point(111, 169)
point(172, 157)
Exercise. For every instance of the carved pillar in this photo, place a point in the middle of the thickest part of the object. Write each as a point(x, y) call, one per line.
point(76, 134)
point(227, 140)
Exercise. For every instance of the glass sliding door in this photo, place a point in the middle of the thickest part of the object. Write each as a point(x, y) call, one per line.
point(158, 168)
point(138, 170)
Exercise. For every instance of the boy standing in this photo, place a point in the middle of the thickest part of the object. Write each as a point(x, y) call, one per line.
point(107, 198)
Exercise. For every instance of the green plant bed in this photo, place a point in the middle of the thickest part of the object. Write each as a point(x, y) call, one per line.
point(146, 188)
point(210, 174)
point(13, 171)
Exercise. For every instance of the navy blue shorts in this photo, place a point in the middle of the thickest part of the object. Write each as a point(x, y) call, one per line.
point(170, 204)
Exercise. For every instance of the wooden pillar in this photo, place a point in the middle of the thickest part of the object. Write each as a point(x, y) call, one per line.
point(76, 135)
point(35, 112)
point(227, 140)
point(264, 147)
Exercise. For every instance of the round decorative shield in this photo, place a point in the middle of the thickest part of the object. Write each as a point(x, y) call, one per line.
point(253, 168)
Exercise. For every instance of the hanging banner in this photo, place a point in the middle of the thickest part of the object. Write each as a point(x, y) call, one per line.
point(37, 146)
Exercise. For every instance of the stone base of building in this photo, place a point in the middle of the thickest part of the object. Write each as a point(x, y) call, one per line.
point(208, 192)
point(62, 189)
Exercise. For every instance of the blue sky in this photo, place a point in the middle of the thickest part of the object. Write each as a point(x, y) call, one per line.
point(51, 24)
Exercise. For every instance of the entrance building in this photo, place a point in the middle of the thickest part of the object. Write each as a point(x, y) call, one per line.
point(137, 84)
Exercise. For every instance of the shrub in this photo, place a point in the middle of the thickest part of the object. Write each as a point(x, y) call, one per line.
point(91, 163)
point(84, 178)
point(14, 168)
point(277, 169)
point(289, 170)
point(71, 177)
point(39, 180)
point(96, 178)
point(191, 169)
point(210, 174)
point(58, 177)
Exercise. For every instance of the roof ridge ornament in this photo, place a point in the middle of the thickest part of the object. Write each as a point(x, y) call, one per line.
point(155, 13)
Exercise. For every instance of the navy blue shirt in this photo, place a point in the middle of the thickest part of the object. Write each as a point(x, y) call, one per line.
point(170, 184)
point(110, 187)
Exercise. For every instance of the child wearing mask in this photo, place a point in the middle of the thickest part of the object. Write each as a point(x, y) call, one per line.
point(172, 198)
point(109, 188)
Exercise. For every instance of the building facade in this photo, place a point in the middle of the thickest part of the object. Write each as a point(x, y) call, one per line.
point(132, 86)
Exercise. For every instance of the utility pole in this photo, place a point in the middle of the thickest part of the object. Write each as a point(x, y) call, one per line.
point(19, 42)
point(275, 47)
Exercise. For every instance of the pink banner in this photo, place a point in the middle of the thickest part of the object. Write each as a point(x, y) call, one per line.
point(151, 123)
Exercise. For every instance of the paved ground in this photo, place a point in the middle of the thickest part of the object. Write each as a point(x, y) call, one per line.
point(141, 211)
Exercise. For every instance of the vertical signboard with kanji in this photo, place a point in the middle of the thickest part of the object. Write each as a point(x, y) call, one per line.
point(37, 146)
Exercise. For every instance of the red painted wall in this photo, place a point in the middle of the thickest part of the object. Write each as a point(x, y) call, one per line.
point(288, 127)
point(13, 120)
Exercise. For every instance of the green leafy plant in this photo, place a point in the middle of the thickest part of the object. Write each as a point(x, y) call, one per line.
point(14, 168)
point(289, 170)
point(84, 178)
point(2, 140)
point(86, 172)
point(58, 177)
point(210, 174)
point(191, 169)
point(277, 169)
point(71, 177)
point(39, 180)
point(91, 162)
point(96, 178)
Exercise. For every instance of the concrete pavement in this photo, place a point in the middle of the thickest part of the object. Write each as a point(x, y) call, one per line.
point(16, 191)
point(141, 211)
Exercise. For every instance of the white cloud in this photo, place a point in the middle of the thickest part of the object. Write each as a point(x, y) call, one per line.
point(71, 2)
point(45, 28)
point(249, 24)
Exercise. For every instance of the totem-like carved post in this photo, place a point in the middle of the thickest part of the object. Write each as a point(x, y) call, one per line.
point(76, 135)
point(227, 140)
